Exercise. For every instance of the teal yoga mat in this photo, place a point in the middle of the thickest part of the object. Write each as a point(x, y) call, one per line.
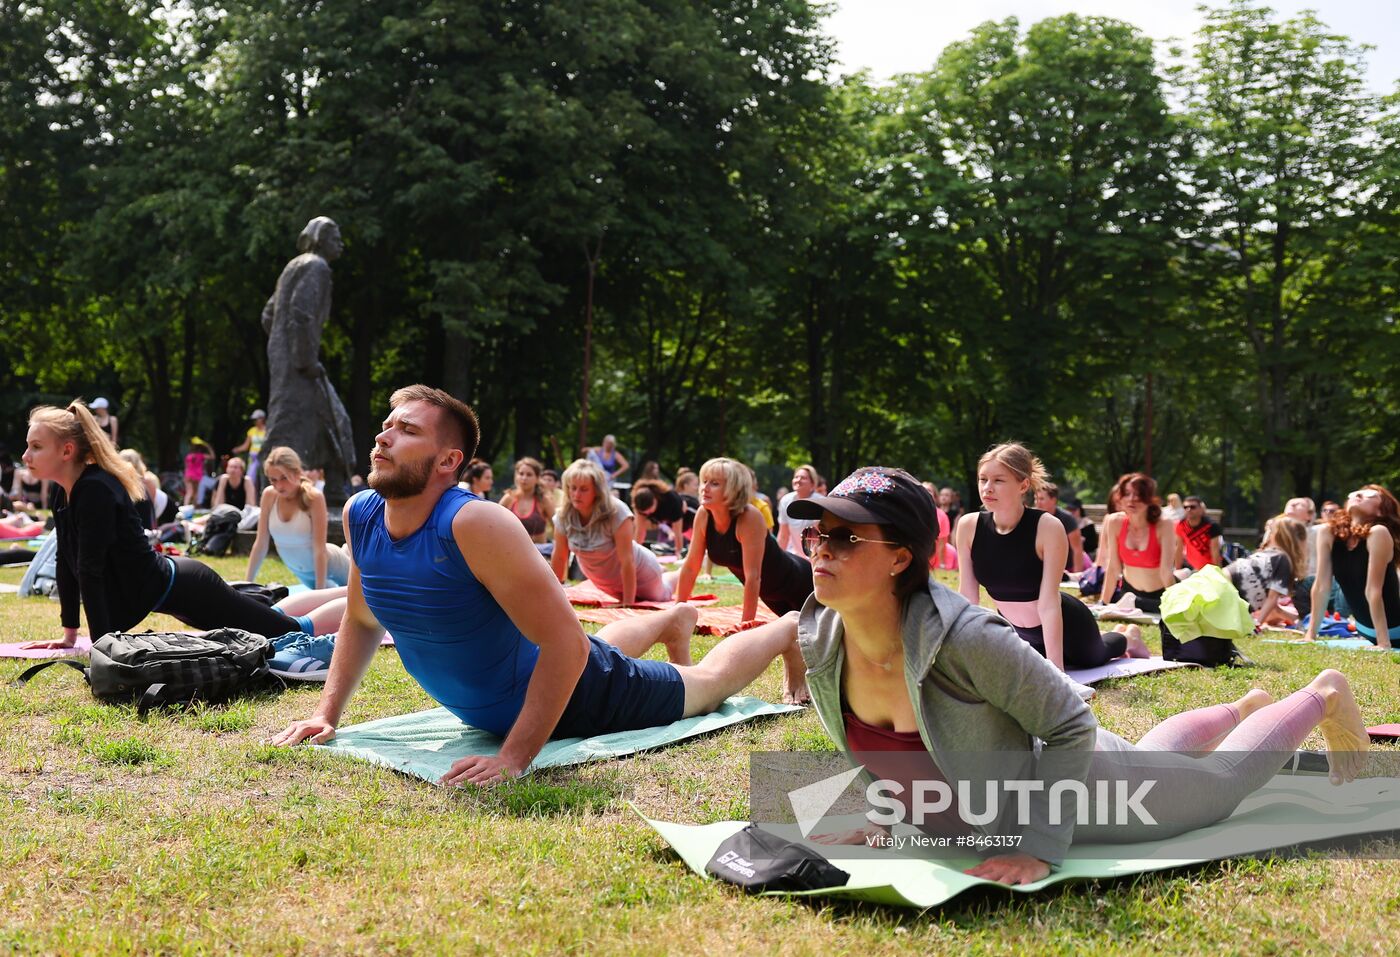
point(425, 743)
point(1291, 809)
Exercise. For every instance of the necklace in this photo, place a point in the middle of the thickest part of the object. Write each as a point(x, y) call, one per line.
point(887, 664)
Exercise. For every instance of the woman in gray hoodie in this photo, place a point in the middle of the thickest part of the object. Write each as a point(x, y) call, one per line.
point(897, 662)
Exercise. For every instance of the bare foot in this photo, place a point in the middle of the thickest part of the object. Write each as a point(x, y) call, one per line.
point(1341, 726)
point(678, 632)
point(795, 678)
point(1137, 648)
point(1253, 700)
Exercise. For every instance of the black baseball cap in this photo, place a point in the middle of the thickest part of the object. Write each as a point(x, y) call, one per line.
point(877, 495)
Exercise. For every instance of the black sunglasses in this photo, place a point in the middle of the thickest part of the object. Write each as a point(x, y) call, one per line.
point(840, 540)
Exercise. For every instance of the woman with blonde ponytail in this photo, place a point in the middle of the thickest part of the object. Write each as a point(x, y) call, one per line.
point(1018, 554)
point(106, 567)
point(294, 515)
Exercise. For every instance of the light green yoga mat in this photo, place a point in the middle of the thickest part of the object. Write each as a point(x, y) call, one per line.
point(1291, 809)
point(425, 743)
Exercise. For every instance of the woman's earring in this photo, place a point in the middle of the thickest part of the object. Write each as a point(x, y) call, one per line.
point(892, 574)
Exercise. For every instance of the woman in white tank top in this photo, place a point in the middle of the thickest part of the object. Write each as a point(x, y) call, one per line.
point(294, 514)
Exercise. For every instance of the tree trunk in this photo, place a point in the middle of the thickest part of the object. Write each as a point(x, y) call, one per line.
point(362, 356)
point(591, 257)
point(816, 402)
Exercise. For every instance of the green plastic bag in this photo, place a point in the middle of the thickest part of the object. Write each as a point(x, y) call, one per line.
point(1206, 604)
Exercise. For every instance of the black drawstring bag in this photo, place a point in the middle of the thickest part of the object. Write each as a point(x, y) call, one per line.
point(758, 861)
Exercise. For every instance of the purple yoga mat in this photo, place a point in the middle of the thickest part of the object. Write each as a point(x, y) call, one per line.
point(14, 650)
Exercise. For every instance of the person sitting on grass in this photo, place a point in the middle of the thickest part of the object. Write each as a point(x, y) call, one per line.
point(731, 532)
point(105, 564)
point(1018, 554)
point(235, 487)
point(531, 502)
point(479, 479)
point(1047, 499)
point(157, 508)
point(899, 663)
point(656, 504)
point(1138, 550)
point(294, 515)
point(1360, 546)
point(482, 626)
point(597, 526)
point(1200, 536)
point(1268, 574)
point(18, 525)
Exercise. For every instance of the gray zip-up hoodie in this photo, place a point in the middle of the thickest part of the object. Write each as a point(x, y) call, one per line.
point(976, 688)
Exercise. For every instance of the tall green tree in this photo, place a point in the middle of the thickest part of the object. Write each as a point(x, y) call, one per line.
point(1285, 142)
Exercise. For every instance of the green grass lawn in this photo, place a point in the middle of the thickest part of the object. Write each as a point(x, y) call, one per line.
point(187, 834)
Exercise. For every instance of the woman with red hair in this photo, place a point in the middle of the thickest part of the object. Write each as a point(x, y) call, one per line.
point(1360, 545)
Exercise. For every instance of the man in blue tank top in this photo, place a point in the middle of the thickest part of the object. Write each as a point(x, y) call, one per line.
point(482, 624)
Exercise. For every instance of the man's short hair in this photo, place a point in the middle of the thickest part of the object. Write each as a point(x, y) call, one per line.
point(462, 430)
point(1051, 489)
point(1194, 498)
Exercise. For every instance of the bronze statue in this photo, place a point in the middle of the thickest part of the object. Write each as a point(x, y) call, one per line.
point(304, 410)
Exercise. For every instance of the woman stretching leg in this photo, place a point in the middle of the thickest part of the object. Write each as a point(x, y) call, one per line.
point(878, 628)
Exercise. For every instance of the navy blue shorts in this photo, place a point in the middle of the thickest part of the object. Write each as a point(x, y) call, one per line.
point(618, 693)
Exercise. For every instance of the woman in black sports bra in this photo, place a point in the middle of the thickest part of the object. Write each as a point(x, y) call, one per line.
point(733, 534)
point(1018, 554)
point(1360, 547)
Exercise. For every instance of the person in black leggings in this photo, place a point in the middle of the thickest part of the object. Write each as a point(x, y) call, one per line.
point(1017, 554)
point(732, 532)
point(105, 563)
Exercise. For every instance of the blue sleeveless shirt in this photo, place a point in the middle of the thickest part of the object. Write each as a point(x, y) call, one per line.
point(453, 637)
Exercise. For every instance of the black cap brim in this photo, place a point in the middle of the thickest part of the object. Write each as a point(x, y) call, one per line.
point(810, 509)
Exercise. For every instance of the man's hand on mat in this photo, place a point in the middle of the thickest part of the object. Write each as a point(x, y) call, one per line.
point(751, 624)
point(481, 769)
point(315, 730)
point(1011, 869)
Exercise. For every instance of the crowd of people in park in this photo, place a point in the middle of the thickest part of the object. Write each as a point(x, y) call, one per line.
point(837, 580)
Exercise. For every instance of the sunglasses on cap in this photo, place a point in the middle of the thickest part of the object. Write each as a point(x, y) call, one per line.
point(840, 541)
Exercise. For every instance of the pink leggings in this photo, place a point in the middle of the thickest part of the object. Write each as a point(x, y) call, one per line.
point(1202, 763)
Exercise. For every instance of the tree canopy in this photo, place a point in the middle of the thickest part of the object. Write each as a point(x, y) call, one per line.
point(676, 224)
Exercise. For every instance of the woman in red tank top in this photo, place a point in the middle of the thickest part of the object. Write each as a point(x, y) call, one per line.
point(1140, 542)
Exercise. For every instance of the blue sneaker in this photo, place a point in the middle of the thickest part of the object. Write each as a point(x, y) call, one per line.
point(301, 657)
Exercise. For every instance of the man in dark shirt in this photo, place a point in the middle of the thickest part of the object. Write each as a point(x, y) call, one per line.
point(1047, 499)
point(1199, 535)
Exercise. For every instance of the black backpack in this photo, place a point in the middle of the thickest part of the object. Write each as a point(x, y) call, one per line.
point(758, 861)
point(219, 532)
point(159, 668)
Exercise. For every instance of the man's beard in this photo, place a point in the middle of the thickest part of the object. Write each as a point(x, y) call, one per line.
point(406, 483)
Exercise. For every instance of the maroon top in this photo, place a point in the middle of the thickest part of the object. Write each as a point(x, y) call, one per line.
point(871, 744)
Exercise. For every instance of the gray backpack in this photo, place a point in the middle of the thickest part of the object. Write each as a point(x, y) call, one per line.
point(161, 668)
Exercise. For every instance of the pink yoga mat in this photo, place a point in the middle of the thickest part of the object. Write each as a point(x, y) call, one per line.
point(14, 650)
point(591, 596)
point(1385, 732)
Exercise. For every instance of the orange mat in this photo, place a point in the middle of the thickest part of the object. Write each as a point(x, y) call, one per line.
point(590, 595)
point(713, 621)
